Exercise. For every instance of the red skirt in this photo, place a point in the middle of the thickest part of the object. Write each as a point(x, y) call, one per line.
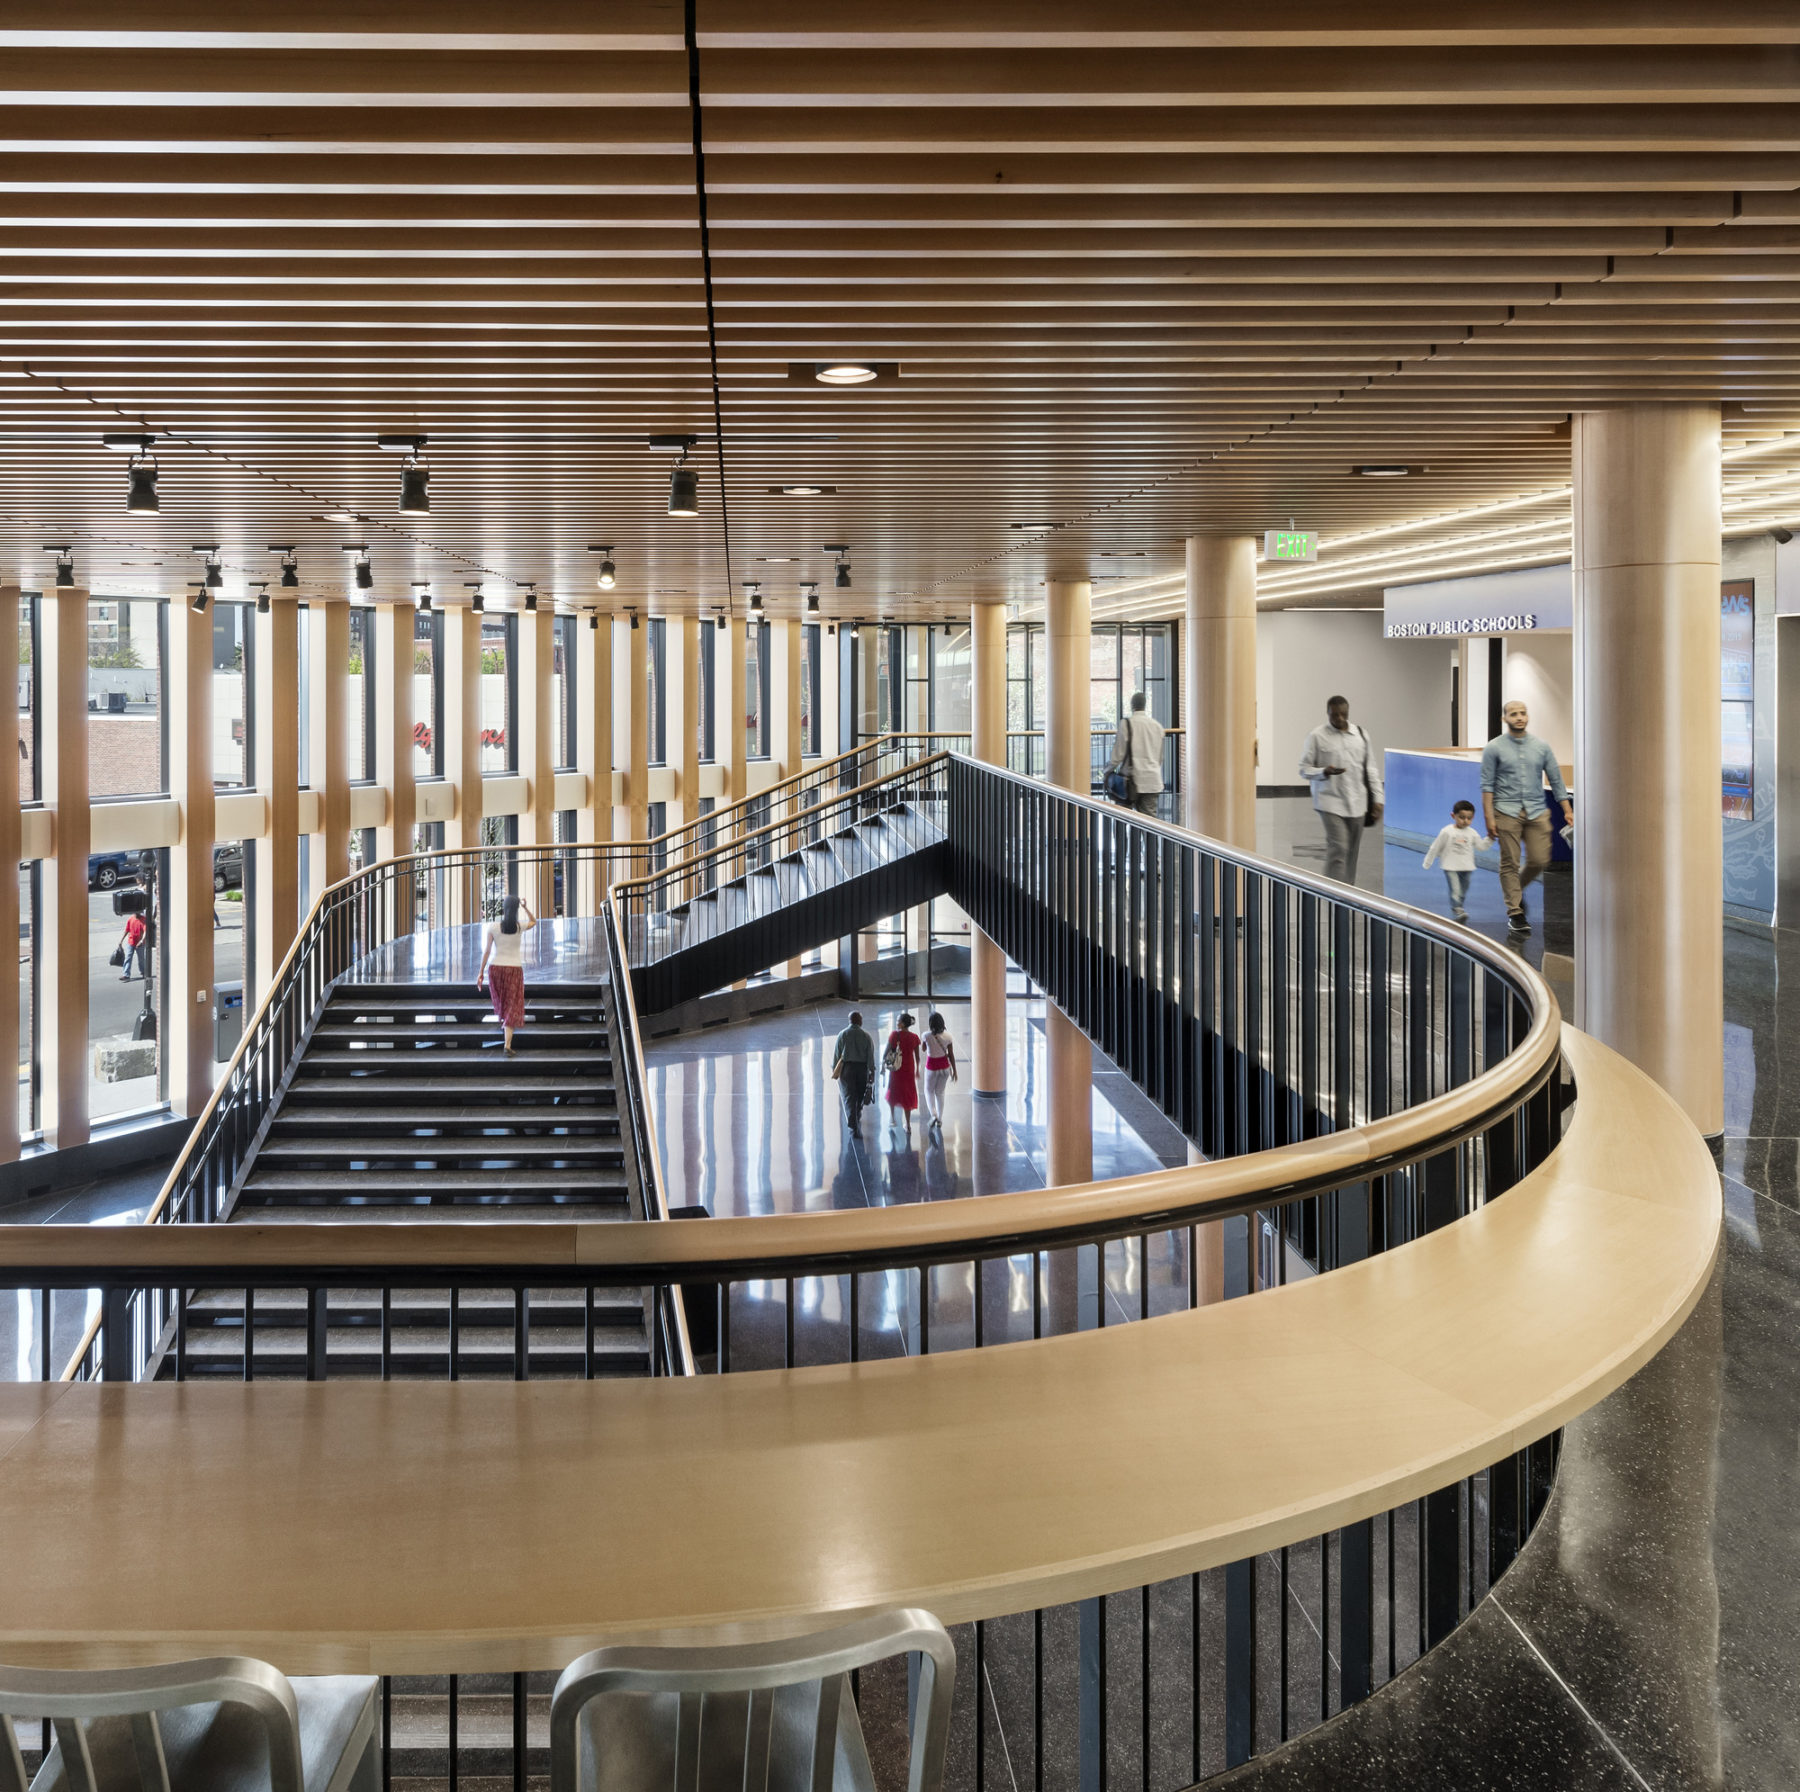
point(506, 990)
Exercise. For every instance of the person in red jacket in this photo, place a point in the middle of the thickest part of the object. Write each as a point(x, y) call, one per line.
point(133, 942)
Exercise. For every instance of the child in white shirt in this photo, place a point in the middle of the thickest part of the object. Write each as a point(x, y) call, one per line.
point(1456, 845)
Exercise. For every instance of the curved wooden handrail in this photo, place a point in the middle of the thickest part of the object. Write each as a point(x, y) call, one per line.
point(519, 1524)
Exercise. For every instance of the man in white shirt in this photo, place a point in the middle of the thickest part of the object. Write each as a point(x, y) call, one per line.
point(1339, 764)
point(1139, 748)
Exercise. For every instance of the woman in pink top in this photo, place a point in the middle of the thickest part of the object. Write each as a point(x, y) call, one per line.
point(940, 1068)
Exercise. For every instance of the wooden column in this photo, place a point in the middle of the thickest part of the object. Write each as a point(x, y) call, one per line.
point(536, 723)
point(62, 945)
point(1649, 928)
point(186, 922)
point(395, 647)
point(328, 740)
point(631, 697)
point(277, 853)
point(1218, 700)
point(1068, 638)
point(462, 724)
point(594, 744)
point(987, 963)
point(11, 846)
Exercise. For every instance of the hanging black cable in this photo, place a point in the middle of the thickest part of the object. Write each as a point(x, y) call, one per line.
point(712, 321)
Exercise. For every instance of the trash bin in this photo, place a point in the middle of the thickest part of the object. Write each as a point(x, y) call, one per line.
point(228, 1020)
point(115, 703)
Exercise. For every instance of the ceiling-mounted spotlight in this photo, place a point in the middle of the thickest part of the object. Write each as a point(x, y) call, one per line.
point(290, 565)
point(723, 621)
point(365, 573)
point(634, 622)
point(415, 475)
point(531, 599)
point(842, 550)
point(609, 574)
point(422, 593)
point(842, 581)
point(1382, 472)
point(215, 572)
point(949, 630)
point(140, 476)
point(261, 588)
point(753, 591)
point(1783, 536)
point(684, 489)
point(831, 630)
point(197, 603)
point(810, 591)
point(65, 563)
point(593, 621)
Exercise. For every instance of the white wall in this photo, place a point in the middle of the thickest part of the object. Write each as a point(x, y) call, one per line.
point(1540, 672)
point(1398, 690)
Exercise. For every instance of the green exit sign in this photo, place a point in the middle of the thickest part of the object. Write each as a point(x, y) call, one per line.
point(1291, 544)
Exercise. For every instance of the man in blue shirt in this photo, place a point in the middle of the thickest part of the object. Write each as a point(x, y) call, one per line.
point(1515, 766)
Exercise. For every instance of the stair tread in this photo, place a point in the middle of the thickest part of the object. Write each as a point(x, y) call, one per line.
point(510, 1116)
point(584, 1177)
point(389, 1087)
point(481, 1146)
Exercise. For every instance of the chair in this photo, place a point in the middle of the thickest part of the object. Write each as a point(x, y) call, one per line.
point(746, 1717)
point(228, 1724)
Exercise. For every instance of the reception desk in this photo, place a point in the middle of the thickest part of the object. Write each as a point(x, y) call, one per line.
point(1424, 783)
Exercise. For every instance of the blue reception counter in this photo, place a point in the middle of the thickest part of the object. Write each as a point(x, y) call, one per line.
point(1423, 784)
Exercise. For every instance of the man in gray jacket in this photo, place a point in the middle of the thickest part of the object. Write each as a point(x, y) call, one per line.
point(853, 1064)
point(1139, 748)
point(1340, 765)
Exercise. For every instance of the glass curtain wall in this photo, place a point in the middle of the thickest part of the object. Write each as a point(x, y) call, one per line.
point(359, 700)
point(127, 730)
point(562, 691)
point(428, 694)
point(657, 684)
point(499, 694)
point(810, 685)
point(756, 690)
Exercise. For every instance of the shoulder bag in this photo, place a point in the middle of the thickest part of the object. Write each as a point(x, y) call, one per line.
point(1118, 779)
point(1369, 816)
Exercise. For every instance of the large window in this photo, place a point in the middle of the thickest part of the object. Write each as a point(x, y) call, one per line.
point(499, 694)
point(428, 694)
point(126, 1002)
point(233, 678)
point(951, 671)
point(562, 690)
point(127, 733)
point(709, 691)
point(29, 789)
point(756, 690)
point(809, 689)
point(359, 699)
point(28, 999)
point(655, 709)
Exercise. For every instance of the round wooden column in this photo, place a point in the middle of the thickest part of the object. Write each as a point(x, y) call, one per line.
point(987, 963)
point(1218, 770)
point(1068, 637)
point(1649, 929)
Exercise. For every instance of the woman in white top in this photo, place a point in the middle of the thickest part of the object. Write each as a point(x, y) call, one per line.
point(503, 965)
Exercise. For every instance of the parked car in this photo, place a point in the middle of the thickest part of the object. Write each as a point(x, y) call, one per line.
point(107, 869)
point(228, 866)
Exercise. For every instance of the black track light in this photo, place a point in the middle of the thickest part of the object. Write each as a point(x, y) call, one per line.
point(365, 572)
point(593, 621)
point(684, 489)
point(811, 593)
point(634, 622)
point(415, 492)
point(65, 565)
point(290, 572)
point(753, 591)
point(422, 593)
point(531, 600)
point(831, 630)
point(948, 631)
point(215, 574)
point(140, 482)
point(197, 603)
point(262, 599)
point(842, 580)
point(609, 574)
point(478, 604)
point(1780, 535)
point(724, 622)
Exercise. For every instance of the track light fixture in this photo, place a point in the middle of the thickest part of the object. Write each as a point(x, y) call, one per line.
point(633, 615)
point(290, 565)
point(422, 593)
point(1779, 535)
point(65, 563)
point(197, 603)
point(365, 573)
point(477, 603)
point(609, 574)
point(593, 621)
point(140, 475)
point(842, 550)
point(753, 591)
point(261, 588)
point(531, 600)
point(949, 630)
point(724, 621)
point(415, 475)
point(215, 571)
point(810, 591)
point(684, 489)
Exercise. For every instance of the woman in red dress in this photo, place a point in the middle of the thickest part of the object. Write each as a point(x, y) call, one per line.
point(901, 1059)
point(503, 965)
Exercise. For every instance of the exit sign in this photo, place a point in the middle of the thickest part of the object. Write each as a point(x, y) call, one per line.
point(1291, 544)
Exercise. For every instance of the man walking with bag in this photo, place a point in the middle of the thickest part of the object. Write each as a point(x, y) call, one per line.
point(1339, 764)
point(1138, 753)
point(1515, 766)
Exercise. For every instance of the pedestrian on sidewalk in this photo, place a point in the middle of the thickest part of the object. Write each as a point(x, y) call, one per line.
point(1138, 750)
point(1515, 767)
point(1339, 764)
point(853, 1065)
point(1456, 846)
point(503, 965)
point(940, 1068)
point(136, 931)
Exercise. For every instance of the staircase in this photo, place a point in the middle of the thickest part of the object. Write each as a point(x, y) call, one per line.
point(893, 858)
point(403, 1098)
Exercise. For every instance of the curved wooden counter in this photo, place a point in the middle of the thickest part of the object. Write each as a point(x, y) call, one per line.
point(409, 1527)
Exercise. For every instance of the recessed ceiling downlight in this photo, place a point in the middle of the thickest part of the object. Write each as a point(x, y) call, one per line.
point(845, 373)
point(1382, 472)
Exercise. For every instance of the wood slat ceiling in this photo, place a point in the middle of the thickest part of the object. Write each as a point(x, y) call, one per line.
point(1138, 282)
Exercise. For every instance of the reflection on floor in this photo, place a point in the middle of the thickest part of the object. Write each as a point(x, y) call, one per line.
point(750, 1121)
